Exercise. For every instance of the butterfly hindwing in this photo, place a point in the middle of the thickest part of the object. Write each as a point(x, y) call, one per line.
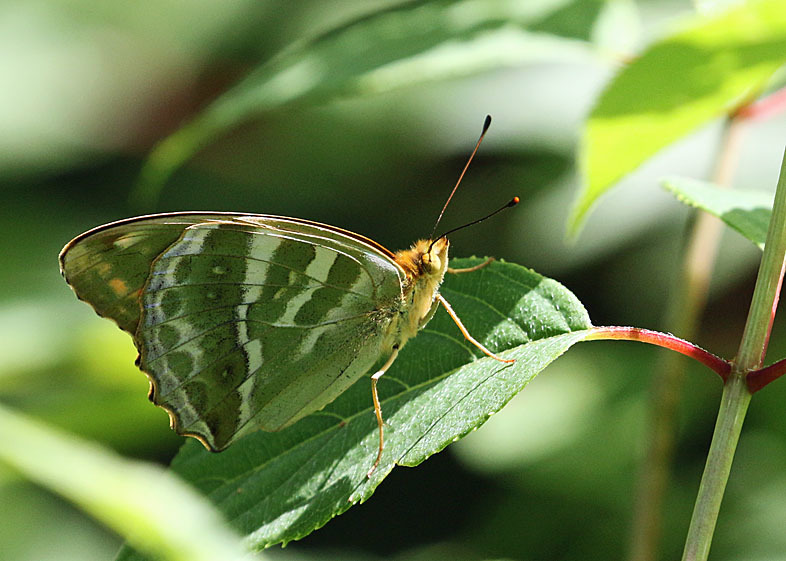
point(255, 322)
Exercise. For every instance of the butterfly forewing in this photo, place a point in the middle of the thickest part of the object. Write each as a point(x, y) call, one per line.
point(108, 266)
point(257, 321)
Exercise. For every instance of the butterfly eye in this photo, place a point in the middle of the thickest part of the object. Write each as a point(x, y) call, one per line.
point(431, 262)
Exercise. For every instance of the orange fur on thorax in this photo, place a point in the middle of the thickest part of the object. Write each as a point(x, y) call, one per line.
point(425, 270)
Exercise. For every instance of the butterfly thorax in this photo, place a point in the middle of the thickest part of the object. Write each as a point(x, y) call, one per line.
point(425, 264)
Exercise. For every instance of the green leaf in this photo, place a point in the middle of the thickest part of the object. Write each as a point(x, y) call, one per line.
point(152, 509)
point(410, 44)
point(572, 19)
point(748, 212)
point(682, 82)
point(278, 487)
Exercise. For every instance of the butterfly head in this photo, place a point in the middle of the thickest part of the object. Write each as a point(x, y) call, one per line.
point(426, 259)
point(425, 265)
point(434, 259)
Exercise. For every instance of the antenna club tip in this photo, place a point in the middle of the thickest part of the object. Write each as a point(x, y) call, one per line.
point(514, 201)
point(487, 123)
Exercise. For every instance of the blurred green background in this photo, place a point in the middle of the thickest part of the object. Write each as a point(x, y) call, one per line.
point(88, 88)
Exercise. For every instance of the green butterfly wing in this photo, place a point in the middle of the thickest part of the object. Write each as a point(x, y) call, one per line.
point(242, 321)
point(108, 265)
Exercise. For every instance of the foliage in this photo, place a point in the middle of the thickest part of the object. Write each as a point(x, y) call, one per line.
point(748, 212)
point(279, 487)
point(704, 71)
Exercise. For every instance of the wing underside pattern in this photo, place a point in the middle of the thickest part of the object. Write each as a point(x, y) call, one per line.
point(246, 327)
point(242, 321)
point(107, 267)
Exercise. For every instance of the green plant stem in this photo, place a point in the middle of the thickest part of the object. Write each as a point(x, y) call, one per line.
point(753, 346)
point(734, 404)
point(684, 309)
point(736, 394)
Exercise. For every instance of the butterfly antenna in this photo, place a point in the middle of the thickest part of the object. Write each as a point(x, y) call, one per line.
point(486, 125)
point(512, 202)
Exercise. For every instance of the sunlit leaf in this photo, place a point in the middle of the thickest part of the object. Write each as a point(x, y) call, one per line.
point(748, 212)
point(278, 487)
point(683, 81)
point(141, 502)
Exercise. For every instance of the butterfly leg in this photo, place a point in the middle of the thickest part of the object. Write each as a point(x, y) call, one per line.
point(378, 407)
point(486, 263)
point(466, 334)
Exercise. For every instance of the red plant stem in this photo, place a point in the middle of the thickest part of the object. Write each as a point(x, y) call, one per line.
point(764, 108)
point(665, 340)
point(763, 376)
point(773, 310)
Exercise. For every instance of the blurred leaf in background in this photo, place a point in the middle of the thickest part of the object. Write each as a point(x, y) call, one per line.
point(89, 88)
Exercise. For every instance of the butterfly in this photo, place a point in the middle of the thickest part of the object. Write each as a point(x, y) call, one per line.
point(251, 321)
